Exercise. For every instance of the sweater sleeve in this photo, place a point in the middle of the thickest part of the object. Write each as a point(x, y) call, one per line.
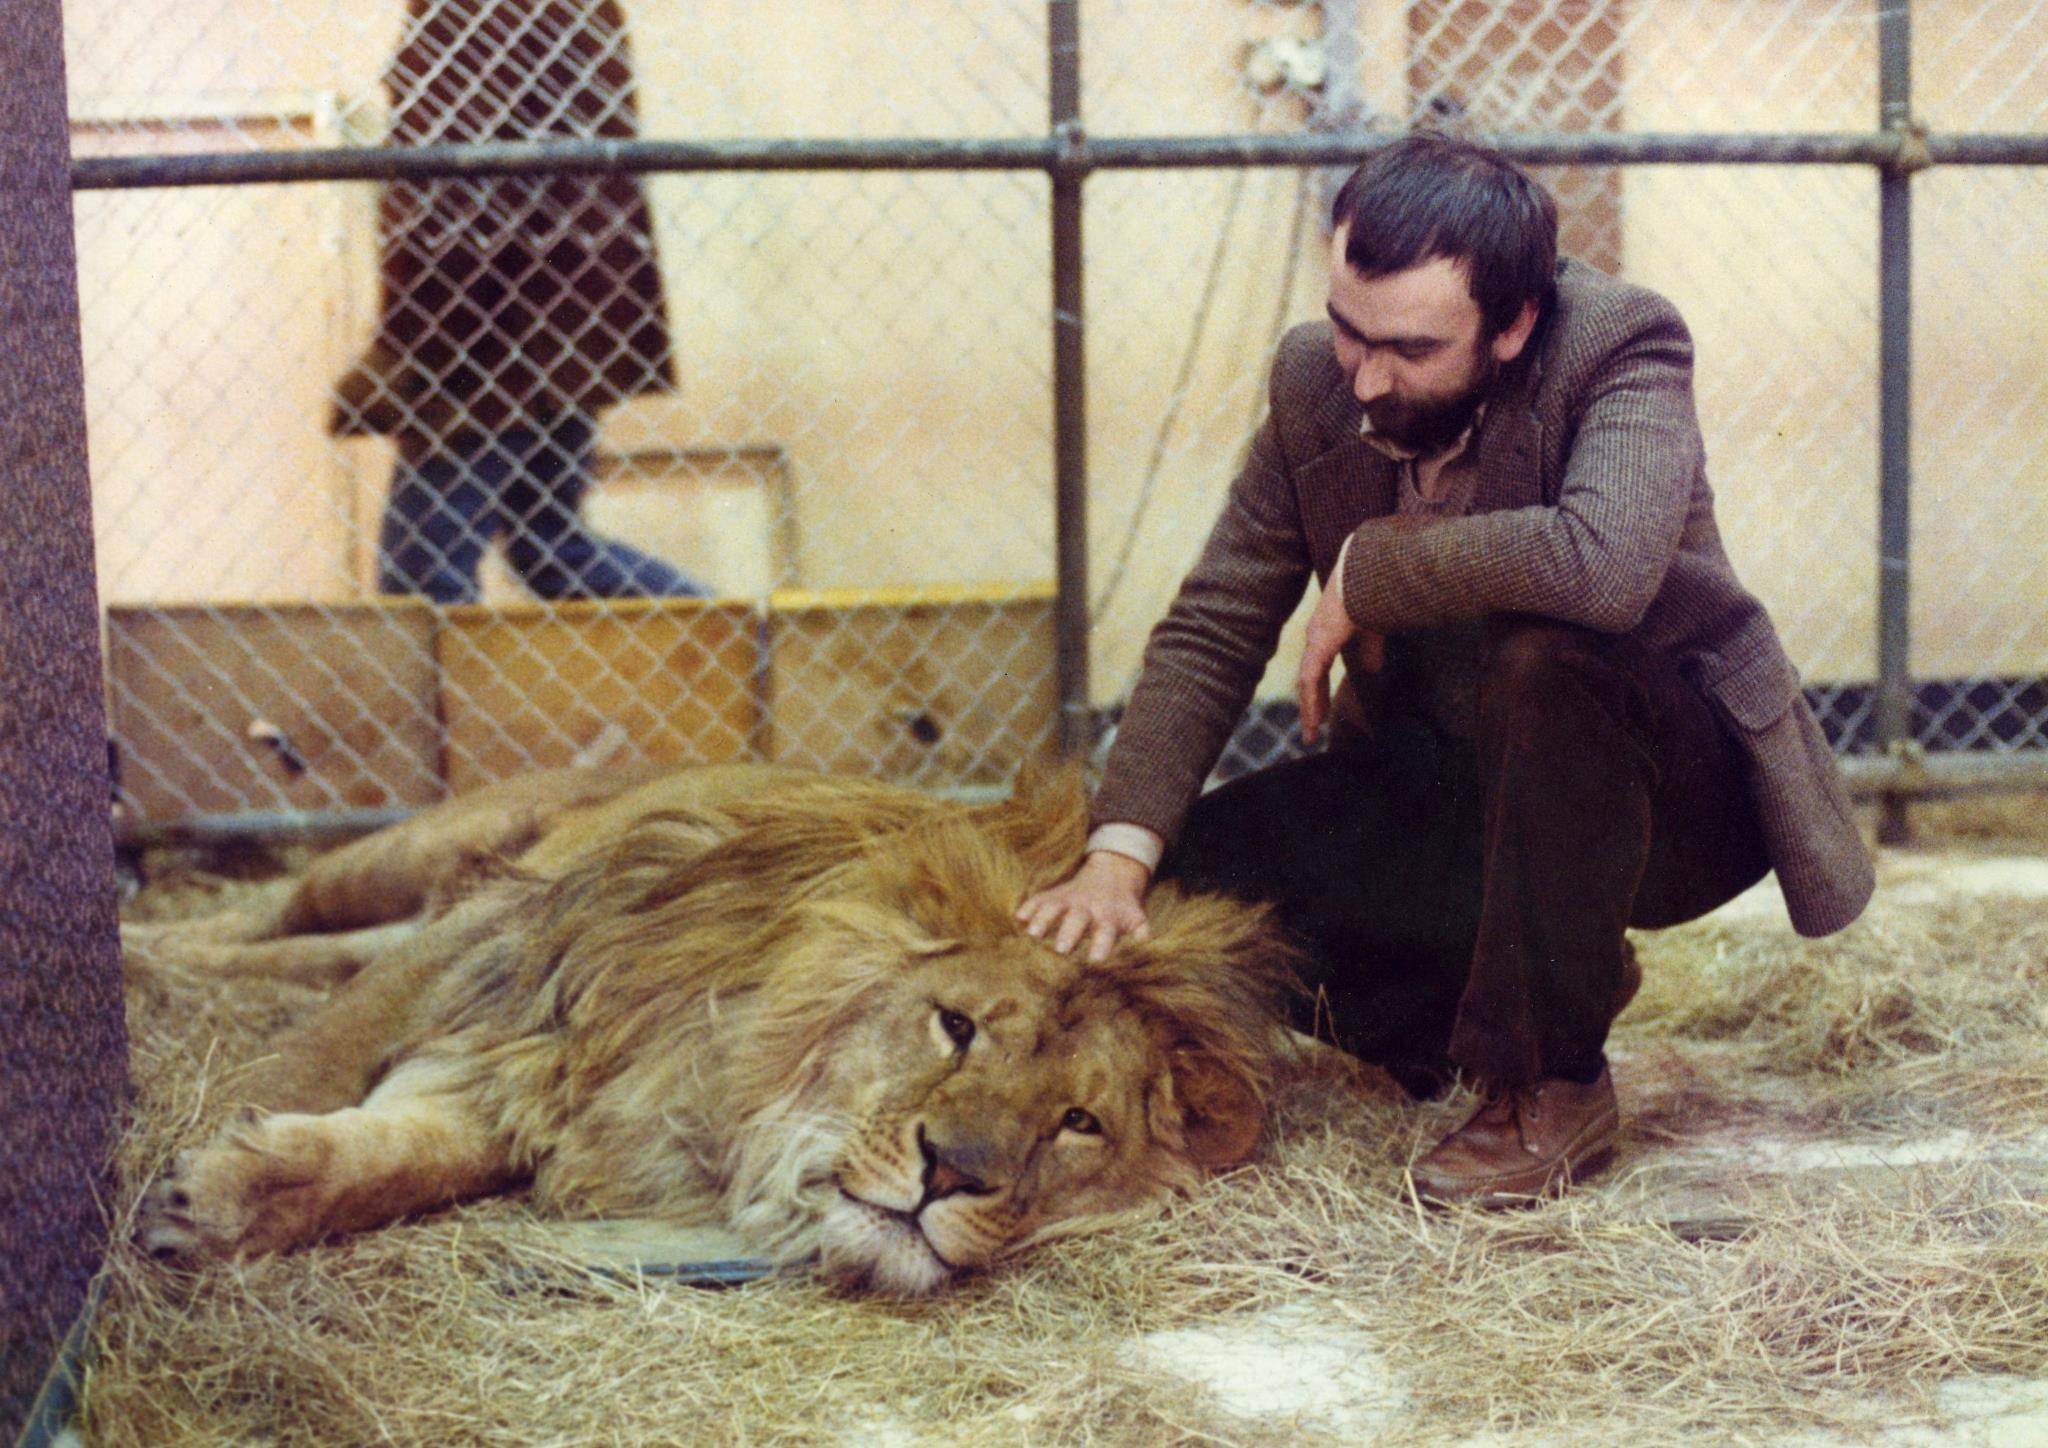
point(1596, 557)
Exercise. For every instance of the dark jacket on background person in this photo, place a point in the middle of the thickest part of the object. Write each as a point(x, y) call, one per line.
point(509, 300)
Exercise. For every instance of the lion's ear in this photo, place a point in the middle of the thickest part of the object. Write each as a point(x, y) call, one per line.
point(1221, 1114)
point(1044, 820)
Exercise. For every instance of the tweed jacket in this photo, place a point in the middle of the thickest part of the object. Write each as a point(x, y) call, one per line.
point(1591, 506)
point(509, 299)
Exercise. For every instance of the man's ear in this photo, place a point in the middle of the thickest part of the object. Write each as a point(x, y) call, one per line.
point(1508, 345)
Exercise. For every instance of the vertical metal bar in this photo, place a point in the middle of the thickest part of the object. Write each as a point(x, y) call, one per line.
point(1340, 107)
point(1070, 384)
point(61, 1031)
point(1895, 407)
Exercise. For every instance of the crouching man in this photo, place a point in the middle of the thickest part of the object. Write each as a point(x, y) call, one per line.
point(1562, 715)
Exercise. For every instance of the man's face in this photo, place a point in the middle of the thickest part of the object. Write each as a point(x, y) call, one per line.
point(1411, 347)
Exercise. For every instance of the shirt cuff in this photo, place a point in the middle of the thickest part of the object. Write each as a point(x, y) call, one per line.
point(1134, 842)
point(1341, 580)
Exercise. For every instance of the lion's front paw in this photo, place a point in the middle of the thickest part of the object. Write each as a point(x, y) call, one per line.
point(251, 1189)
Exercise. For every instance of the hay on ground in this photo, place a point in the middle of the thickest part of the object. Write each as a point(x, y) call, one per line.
point(1821, 1301)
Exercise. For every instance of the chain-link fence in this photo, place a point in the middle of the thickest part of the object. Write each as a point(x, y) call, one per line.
point(407, 463)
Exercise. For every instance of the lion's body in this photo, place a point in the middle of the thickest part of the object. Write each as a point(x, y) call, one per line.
point(793, 1004)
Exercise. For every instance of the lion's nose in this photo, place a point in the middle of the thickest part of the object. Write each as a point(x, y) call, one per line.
point(948, 1172)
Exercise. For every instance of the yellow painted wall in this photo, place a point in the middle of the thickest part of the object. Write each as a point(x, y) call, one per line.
point(890, 332)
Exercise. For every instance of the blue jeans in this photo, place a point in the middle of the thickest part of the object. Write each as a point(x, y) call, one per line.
point(527, 483)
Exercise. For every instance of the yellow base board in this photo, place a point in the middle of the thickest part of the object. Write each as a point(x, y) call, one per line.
point(397, 703)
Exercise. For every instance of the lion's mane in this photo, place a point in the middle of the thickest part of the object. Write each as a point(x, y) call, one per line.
point(710, 1009)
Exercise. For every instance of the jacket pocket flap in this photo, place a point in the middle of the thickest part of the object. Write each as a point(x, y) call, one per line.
point(1758, 690)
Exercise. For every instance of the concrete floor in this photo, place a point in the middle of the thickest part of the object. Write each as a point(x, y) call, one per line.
point(1340, 1381)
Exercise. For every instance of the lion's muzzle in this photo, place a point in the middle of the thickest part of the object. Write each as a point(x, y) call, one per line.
point(954, 1169)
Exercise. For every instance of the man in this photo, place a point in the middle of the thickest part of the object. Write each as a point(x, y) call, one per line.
point(1562, 715)
point(513, 309)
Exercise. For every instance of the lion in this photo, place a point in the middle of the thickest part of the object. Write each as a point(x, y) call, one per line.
point(793, 1005)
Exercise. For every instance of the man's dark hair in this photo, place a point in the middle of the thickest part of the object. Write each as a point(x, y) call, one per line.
point(1430, 195)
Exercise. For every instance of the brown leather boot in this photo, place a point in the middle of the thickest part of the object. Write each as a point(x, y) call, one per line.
point(1522, 1144)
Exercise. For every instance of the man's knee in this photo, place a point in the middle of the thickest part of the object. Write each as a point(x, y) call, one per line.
point(1543, 673)
point(1526, 657)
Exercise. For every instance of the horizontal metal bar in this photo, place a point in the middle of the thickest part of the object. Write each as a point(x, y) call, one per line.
point(286, 826)
point(1057, 155)
point(540, 158)
point(1531, 148)
point(725, 1272)
point(1988, 150)
point(1596, 148)
point(1911, 774)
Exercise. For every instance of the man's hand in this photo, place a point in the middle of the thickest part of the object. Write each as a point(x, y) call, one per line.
point(1329, 629)
point(1104, 900)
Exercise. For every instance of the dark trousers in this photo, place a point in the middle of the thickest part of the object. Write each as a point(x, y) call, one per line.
point(1463, 900)
point(526, 483)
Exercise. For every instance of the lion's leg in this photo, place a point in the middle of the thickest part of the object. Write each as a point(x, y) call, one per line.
point(267, 1183)
point(258, 916)
point(398, 872)
point(336, 1055)
point(320, 961)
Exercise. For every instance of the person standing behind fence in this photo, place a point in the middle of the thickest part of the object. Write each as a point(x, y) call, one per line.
point(513, 308)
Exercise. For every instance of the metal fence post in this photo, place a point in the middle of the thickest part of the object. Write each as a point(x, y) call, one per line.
point(1895, 405)
point(1070, 382)
point(61, 1031)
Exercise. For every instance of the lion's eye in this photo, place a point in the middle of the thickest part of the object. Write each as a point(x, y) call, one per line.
point(958, 1028)
point(1080, 1122)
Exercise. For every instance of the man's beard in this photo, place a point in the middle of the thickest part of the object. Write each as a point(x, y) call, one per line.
point(1429, 427)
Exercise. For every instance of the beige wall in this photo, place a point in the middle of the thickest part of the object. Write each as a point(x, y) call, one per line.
point(1980, 332)
point(1775, 270)
point(213, 319)
point(889, 332)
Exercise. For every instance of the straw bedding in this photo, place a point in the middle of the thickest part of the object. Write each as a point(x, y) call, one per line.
point(1696, 1290)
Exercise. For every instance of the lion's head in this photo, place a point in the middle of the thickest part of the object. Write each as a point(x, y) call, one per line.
point(999, 1094)
point(836, 1010)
